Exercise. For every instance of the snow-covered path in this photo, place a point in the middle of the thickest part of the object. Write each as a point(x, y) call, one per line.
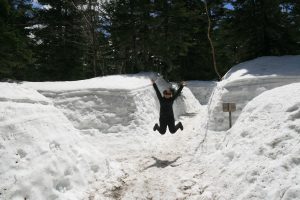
point(158, 168)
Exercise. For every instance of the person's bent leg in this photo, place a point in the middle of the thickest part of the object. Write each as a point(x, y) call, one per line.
point(162, 128)
point(172, 128)
point(171, 125)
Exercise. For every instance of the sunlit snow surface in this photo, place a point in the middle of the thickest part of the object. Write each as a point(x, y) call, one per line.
point(76, 140)
point(93, 140)
point(247, 80)
point(259, 157)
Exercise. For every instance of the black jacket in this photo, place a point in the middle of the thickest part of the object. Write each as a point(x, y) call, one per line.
point(166, 105)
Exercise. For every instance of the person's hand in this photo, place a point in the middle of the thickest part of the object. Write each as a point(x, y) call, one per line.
point(183, 83)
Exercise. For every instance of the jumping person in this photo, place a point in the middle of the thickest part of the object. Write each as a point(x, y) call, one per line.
point(166, 115)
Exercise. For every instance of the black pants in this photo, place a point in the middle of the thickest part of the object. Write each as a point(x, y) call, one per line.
point(170, 122)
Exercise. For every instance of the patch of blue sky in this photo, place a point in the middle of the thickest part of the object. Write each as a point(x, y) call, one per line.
point(36, 4)
point(229, 6)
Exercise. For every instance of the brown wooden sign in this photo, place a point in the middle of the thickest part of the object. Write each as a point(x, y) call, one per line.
point(229, 107)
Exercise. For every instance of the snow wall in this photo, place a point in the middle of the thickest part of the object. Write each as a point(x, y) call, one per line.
point(113, 104)
point(247, 80)
point(259, 157)
point(42, 154)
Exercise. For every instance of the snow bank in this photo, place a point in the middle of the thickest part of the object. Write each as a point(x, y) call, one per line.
point(202, 90)
point(17, 93)
point(112, 104)
point(46, 157)
point(247, 80)
point(43, 156)
point(269, 66)
point(114, 82)
point(259, 157)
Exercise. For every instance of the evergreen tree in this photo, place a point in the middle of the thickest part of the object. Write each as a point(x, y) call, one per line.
point(129, 34)
point(75, 39)
point(198, 63)
point(14, 51)
point(291, 13)
point(258, 28)
point(151, 35)
point(94, 32)
point(172, 36)
point(60, 44)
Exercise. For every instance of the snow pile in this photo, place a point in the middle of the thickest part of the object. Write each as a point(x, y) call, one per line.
point(259, 157)
point(16, 93)
point(46, 157)
point(281, 67)
point(202, 90)
point(247, 80)
point(112, 104)
point(43, 156)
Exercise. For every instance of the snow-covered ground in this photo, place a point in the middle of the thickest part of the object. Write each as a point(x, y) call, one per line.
point(93, 140)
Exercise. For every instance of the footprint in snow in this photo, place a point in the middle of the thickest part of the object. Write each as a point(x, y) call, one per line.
point(62, 185)
point(21, 153)
point(54, 146)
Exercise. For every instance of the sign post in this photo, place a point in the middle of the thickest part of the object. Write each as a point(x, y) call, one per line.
point(229, 107)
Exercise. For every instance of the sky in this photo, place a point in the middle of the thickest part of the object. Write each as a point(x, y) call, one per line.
point(229, 6)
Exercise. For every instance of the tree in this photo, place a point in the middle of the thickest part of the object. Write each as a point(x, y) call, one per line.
point(15, 53)
point(259, 28)
point(207, 11)
point(93, 23)
point(129, 30)
point(150, 35)
point(60, 43)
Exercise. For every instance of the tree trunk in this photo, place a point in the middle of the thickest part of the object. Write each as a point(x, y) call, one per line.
point(210, 40)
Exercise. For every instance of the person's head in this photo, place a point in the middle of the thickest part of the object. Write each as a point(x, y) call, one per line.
point(167, 93)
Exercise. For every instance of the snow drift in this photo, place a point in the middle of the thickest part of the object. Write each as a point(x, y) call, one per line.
point(112, 104)
point(42, 154)
point(247, 80)
point(259, 157)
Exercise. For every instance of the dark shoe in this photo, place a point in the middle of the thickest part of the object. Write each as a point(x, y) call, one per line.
point(155, 127)
point(180, 126)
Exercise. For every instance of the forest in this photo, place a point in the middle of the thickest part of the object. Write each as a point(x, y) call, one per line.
point(64, 40)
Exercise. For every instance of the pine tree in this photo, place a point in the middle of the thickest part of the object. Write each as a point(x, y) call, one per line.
point(150, 35)
point(15, 53)
point(94, 19)
point(60, 44)
point(172, 36)
point(291, 12)
point(258, 28)
point(129, 34)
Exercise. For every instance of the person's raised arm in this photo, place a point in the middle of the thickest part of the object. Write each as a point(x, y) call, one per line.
point(182, 84)
point(158, 94)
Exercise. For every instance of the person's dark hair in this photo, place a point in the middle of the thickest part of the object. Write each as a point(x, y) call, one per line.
point(166, 92)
